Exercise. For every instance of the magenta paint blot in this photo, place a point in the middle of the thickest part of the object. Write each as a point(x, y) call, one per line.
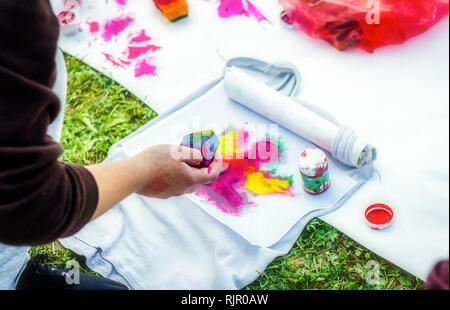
point(136, 51)
point(143, 67)
point(93, 27)
point(228, 8)
point(142, 37)
point(125, 62)
point(121, 2)
point(115, 27)
point(112, 60)
point(252, 11)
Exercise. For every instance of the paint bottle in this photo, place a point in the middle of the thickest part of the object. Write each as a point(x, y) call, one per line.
point(68, 22)
point(313, 167)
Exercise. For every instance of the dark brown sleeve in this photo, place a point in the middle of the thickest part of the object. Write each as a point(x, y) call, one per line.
point(41, 199)
point(438, 277)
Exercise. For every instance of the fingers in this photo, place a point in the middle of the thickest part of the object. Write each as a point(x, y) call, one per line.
point(192, 157)
point(215, 169)
point(207, 175)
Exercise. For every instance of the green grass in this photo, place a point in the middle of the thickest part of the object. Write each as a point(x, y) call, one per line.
point(100, 112)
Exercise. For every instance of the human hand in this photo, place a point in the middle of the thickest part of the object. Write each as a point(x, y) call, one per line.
point(171, 171)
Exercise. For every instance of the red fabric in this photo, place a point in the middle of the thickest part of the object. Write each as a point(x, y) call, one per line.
point(344, 23)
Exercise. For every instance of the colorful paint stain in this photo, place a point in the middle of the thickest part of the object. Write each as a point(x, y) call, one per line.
point(115, 27)
point(121, 2)
point(244, 173)
point(228, 8)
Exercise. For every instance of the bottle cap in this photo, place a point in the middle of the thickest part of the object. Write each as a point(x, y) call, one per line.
point(379, 216)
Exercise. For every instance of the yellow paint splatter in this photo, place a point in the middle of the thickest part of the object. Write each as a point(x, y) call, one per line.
point(259, 184)
point(228, 146)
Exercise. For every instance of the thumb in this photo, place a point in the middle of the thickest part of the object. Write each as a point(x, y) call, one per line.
point(192, 157)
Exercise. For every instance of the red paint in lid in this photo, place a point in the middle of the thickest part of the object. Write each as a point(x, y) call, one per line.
point(379, 216)
point(66, 17)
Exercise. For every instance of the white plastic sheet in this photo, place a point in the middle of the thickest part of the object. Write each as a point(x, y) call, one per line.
point(397, 98)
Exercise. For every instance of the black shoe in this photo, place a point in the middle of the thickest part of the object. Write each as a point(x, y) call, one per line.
point(37, 276)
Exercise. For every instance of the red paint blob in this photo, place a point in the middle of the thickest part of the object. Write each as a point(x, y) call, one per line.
point(379, 214)
point(379, 217)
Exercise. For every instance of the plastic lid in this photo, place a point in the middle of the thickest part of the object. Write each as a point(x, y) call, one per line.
point(379, 216)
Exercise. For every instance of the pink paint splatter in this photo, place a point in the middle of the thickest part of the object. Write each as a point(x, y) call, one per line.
point(252, 11)
point(142, 37)
point(93, 27)
point(121, 2)
point(136, 51)
point(228, 8)
point(143, 67)
point(115, 26)
point(112, 60)
point(125, 62)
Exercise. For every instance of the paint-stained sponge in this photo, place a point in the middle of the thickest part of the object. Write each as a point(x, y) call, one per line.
point(204, 141)
point(172, 9)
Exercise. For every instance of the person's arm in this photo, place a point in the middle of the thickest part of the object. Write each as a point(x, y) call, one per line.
point(155, 172)
point(41, 198)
